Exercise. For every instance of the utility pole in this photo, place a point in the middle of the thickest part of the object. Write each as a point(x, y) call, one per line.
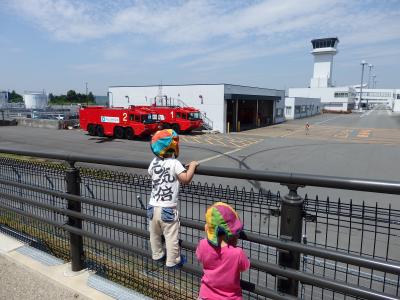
point(87, 99)
point(363, 64)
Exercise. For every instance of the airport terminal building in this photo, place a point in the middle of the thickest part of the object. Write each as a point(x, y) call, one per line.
point(321, 84)
point(226, 107)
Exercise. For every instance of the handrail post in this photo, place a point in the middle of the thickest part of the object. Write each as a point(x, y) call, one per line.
point(76, 242)
point(290, 229)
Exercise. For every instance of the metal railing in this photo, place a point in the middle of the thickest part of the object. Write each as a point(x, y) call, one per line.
point(96, 219)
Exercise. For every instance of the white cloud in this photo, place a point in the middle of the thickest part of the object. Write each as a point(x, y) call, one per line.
point(214, 31)
point(115, 52)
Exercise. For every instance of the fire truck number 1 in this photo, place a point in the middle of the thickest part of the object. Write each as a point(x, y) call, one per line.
point(172, 114)
point(124, 117)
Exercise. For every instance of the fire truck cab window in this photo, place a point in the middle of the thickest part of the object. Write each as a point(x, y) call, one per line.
point(194, 116)
point(137, 118)
point(178, 115)
point(183, 116)
point(131, 117)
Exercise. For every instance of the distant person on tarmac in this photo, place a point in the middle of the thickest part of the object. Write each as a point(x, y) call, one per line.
point(222, 260)
point(166, 173)
point(307, 128)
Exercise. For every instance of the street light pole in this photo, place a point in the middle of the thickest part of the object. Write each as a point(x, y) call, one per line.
point(369, 79)
point(369, 75)
point(127, 97)
point(373, 80)
point(363, 63)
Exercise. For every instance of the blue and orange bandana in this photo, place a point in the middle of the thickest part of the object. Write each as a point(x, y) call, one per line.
point(222, 218)
point(164, 143)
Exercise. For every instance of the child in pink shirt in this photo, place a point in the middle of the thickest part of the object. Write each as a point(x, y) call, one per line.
point(222, 261)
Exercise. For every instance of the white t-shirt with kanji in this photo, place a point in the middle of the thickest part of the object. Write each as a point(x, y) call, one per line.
point(165, 185)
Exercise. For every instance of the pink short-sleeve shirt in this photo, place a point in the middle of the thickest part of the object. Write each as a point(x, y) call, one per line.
point(222, 267)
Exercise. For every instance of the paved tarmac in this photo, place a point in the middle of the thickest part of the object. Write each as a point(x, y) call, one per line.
point(348, 145)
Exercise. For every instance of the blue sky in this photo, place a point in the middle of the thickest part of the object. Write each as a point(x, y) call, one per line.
point(59, 45)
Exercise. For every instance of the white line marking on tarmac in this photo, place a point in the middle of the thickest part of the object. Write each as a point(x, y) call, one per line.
point(318, 123)
point(219, 155)
point(295, 131)
point(367, 113)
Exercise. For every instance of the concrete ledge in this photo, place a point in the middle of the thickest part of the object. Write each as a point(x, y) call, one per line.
point(8, 244)
point(16, 256)
point(50, 124)
point(39, 123)
point(60, 274)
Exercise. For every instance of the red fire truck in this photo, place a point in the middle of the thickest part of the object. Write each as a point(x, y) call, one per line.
point(180, 119)
point(119, 122)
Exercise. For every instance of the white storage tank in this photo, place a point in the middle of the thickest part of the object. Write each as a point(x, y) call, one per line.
point(35, 100)
point(3, 99)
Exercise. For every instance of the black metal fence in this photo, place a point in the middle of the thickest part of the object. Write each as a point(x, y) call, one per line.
point(310, 248)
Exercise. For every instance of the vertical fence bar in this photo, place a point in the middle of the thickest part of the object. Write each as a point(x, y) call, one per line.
point(290, 229)
point(73, 187)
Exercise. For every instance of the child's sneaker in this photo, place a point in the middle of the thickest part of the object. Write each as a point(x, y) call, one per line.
point(161, 260)
point(180, 264)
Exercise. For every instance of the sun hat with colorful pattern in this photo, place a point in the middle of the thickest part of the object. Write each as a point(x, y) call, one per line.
point(222, 218)
point(165, 143)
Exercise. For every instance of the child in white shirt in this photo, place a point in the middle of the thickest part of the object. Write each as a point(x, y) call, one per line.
point(166, 173)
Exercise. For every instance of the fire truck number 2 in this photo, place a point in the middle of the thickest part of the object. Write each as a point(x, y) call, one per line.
point(124, 117)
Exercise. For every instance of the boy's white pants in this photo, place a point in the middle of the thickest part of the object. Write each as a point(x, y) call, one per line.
point(164, 221)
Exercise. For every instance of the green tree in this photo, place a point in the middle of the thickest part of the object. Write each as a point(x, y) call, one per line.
point(90, 98)
point(72, 97)
point(14, 97)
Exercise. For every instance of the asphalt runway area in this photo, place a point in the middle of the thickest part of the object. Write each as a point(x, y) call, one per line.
point(201, 147)
point(348, 145)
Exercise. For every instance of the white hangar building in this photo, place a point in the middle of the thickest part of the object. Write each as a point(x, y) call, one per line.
point(225, 107)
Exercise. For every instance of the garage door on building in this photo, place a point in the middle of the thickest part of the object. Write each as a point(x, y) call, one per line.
point(248, 111)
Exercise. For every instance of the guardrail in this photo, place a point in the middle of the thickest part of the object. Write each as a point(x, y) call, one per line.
point(78, 208)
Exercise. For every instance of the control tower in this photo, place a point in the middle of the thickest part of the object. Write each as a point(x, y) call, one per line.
point(323, 51)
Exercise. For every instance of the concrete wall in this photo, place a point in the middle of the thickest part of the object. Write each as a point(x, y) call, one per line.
point(50, 124)
point(296, 107)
